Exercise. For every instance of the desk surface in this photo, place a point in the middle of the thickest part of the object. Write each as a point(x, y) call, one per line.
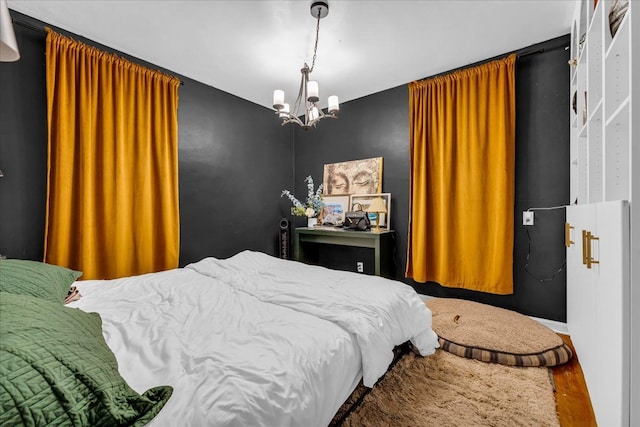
point(323, 230)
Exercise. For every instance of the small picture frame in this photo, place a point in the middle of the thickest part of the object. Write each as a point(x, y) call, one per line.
point(334, 209)
point(362, 201)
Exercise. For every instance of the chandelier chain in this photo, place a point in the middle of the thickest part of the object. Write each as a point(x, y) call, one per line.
point(315, 47)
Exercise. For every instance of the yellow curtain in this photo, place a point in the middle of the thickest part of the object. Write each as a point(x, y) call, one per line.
point(462, 142)
point(112, 196)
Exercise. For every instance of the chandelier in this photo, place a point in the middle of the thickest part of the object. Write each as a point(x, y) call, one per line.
point(308, 94)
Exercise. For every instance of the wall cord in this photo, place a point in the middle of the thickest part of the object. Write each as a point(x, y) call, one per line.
point(526, 265)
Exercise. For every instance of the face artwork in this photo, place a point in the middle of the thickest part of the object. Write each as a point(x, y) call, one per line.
point(354, 177)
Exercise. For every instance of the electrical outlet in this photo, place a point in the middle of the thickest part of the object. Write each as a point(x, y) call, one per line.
point(527, 218)
point(360, 266)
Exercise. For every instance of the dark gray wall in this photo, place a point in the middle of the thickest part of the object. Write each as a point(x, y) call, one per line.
point(378, 125)
point(23, 149)
point(234, 160)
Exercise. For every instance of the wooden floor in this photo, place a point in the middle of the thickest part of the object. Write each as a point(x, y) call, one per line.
point(572, 397)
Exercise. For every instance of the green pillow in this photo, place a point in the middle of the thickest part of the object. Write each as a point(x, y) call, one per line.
point(38, 279)
point(56, 369)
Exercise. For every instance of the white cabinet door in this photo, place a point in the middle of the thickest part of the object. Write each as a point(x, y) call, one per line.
point(598, 304)
point(611, 250)
point(581, 292)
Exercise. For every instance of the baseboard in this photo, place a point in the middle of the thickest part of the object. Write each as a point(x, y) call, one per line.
point(554, 325)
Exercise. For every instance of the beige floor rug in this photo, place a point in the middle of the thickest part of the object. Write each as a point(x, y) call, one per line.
point(448, 390)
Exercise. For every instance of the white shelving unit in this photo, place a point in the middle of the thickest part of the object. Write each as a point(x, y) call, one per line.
point(605, 147)
point(601, 82)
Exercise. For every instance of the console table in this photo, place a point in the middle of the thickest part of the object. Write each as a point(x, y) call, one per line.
point(381, 242)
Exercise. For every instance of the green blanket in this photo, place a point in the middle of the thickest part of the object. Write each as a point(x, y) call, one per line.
point(56, 369)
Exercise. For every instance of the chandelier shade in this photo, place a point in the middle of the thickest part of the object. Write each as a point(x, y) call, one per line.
point(305, 112)
point(8, 46)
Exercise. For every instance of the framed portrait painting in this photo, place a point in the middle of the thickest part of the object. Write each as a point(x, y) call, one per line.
point(334, 209)
point(353, 177)
point(361, 202)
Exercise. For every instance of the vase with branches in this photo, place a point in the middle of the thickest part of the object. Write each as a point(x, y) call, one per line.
point(312, 206)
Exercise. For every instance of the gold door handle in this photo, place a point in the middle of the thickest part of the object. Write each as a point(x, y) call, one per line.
point(590, 260)
point(567, 235)
point(584, 247)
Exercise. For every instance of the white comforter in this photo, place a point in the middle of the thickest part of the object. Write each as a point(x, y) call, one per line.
point(379, 312)
point(254, 340)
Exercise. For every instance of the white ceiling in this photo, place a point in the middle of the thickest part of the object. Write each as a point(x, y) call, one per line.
point(250, 48)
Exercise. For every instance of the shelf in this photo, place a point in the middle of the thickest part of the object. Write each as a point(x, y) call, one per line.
point(588, 5)
point(574, 77)
point(622, 107)
point(596, 110)
point(596, 19)
point(584, 130)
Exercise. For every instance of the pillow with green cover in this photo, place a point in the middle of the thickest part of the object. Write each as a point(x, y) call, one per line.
point(38, 279)
point(56, 369)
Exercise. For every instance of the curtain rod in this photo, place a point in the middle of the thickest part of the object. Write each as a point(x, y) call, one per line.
point(534, 52)
point(496, 58)
point(29, 26)
point(541, 50)
point(43, 31)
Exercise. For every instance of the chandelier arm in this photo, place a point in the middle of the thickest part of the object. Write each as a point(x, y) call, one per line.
point(292, 119)
point(305, 82)
point(296, 105)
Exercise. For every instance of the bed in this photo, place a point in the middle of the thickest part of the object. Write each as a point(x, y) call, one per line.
point(251, 340)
